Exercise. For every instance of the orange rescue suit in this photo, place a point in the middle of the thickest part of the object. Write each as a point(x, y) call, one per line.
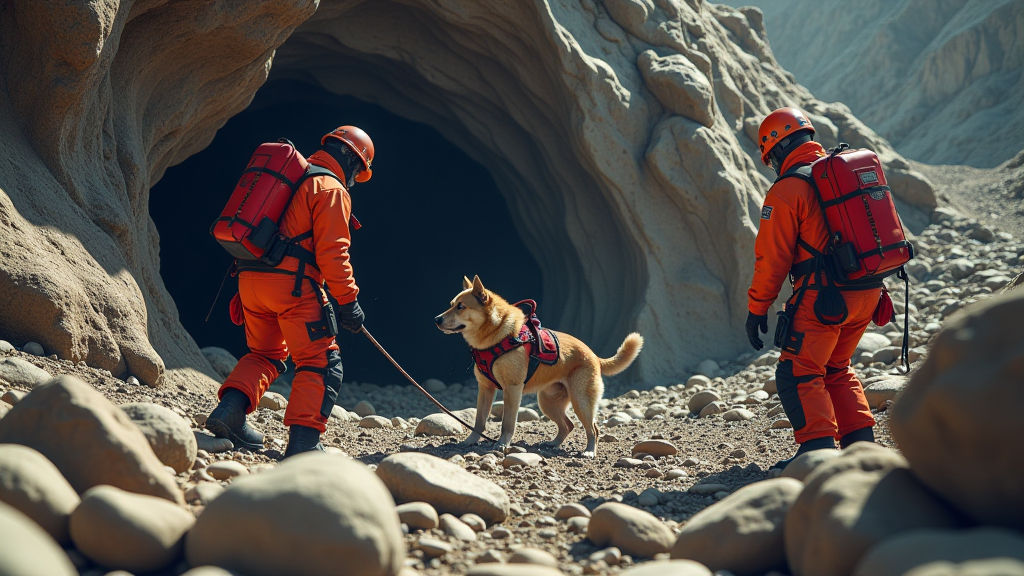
point(278, 323)
point(818, 389)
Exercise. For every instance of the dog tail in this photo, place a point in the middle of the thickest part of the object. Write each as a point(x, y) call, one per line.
point(628, 352)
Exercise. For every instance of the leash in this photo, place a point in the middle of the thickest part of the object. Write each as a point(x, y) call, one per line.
point(415, 383)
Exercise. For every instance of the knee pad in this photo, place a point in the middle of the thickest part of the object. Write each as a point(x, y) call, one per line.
point(332, 375)
point(789, 393)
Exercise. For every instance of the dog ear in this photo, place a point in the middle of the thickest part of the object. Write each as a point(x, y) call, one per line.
point(466, 283)
point(479, 292)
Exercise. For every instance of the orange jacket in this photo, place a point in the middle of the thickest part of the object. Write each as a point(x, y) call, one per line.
point(323, 204)
point(790, 211)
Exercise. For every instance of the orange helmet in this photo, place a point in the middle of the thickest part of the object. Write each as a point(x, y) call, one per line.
point(358, 142)
point(777, 126)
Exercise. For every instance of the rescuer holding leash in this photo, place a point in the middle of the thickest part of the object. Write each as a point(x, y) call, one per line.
point(285, 308)
point(819, 390)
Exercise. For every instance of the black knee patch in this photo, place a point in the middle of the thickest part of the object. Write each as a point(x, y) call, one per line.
point(332, 376)
point(789, 393)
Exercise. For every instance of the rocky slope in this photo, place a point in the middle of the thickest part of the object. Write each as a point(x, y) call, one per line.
point(942, 81)
point(619, 132)
point(681, 470)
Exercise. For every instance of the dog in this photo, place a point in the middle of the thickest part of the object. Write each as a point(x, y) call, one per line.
point(485, 320)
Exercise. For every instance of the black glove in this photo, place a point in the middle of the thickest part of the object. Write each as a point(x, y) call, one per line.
point(754, 322)
point(351, 317)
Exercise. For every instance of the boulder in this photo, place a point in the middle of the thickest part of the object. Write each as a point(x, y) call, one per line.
point(702, 399)
point(804, 464)
point(851, 503)
point(958, 412)
point(743, 533)
point(412, 477)
point(364, 409)
point(32, 485)
point(669, 568)
point(168, 434)
point(629, 529)
point(303, 517)
point(90, 440)
point(223, 362)
point(27, 550)
point(418, 515)
point(126, 531)
point(439, 424)
point(922, 552)
point(524, 459)
point(18, 372)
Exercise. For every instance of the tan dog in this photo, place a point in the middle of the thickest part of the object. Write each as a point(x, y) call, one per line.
point(485, 319)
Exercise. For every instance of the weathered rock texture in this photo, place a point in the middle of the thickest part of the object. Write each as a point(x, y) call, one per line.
point(943, 81)
point(97, 99)
point(962, 405)
point(619, 133)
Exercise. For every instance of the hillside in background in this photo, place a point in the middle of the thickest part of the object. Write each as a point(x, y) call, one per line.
point(940, 79)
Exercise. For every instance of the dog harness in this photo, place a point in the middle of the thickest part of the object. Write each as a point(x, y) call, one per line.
point(541, 346)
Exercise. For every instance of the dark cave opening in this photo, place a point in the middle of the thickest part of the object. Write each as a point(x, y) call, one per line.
point(423, 215)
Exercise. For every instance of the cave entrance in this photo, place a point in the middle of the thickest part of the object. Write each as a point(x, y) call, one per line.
point(423, 209)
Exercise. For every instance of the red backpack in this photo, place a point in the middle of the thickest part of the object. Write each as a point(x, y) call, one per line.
point(866, 238)
point(248, 226)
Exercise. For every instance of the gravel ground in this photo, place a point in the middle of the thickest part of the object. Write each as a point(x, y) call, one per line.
point(994, 195)
point(954, 269)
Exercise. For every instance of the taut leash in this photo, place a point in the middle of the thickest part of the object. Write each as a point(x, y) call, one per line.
point(417, 384)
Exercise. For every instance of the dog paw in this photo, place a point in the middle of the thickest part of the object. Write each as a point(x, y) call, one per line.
point(589, 454)
point(503, 446)
point(473, 439)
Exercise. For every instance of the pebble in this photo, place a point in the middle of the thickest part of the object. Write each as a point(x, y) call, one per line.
point(501, 533)
point(473, 521)
point(418, 515)
point(439, 424)
point(655, 410)
point(782, 424)
point(524, 459)
point(675, 473)
point(6, 346)
point(33, 348)
point(273, 401)
point(374, 421)
point(12, 397)
point(656, 448)
point(226, 469)
point(364, 409)
point(572, 510)
point(456, 528)
point(737, 415)
point(702, 399)
point(577, 524)
point(433, 548)
point(533, 556)
point(713, 408)
point(707, 489)
point(528, 415)
point(490, 556)
point(632, 530)
point(610, 556)
point(21, 373)
point(627, 463)
point(698, 380)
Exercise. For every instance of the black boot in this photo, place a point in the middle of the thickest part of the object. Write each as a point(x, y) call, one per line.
point(826, 443)
point(302, 439)
point(862, 435)
point(228, 421)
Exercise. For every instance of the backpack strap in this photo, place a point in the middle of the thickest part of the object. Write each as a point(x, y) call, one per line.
point(305, 257)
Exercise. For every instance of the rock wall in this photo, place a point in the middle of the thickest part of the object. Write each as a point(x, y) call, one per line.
point(943, 81)
point(619, 132)
point(97, 99)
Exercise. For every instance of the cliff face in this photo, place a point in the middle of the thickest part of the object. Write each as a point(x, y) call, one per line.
point(97, 100)
point(942, 80)
point(620, 132)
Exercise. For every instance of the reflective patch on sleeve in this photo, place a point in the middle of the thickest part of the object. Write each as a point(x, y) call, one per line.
point(766, 213)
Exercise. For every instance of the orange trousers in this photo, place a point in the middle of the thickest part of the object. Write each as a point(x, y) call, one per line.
point(276, 324)
point(819, 390)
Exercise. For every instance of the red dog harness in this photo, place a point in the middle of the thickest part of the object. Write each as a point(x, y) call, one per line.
point(541, 346)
